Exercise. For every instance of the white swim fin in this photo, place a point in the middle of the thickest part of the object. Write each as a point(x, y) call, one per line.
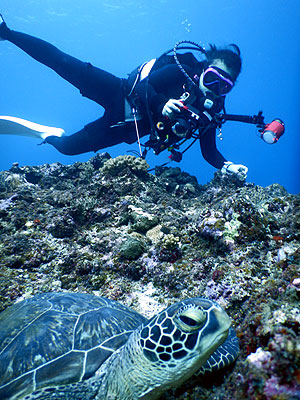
point(21, 127)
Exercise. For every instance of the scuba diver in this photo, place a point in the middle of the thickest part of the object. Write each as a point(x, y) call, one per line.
point(160, 98)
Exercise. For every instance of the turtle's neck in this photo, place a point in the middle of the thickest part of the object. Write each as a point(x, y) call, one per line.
point(129, 375)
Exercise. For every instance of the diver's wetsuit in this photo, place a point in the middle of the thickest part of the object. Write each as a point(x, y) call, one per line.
point(165, 82)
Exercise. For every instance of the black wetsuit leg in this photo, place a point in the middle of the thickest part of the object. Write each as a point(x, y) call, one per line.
point(94, 136)
point(94, 83)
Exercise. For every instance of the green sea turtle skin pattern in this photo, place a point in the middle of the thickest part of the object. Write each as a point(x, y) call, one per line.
point(79, 346)
point(58, 338)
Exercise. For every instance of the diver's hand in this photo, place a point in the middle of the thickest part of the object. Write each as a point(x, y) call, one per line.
point(171, 106)
point(237, 169)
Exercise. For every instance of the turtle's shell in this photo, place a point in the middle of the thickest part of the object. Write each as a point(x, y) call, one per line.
point(59, 338)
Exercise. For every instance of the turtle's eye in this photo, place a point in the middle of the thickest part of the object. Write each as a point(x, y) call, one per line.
point(187, 320)
point(190, 318)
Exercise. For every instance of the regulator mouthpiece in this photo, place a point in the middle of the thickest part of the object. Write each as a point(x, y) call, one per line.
point(273, 131)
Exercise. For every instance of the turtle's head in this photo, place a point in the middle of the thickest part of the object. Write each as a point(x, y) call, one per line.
point(168, 349)
point(177, 342)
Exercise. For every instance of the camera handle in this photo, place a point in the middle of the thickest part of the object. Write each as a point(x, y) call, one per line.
point(270, 133)
point(257, 120)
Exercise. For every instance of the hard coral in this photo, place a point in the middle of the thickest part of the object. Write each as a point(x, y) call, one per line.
point(120, 165)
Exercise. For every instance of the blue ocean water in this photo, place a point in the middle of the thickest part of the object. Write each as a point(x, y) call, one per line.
point(118, 35)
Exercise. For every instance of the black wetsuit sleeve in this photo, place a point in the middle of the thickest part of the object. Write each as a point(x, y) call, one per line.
point(165, 83)
point(209, 149)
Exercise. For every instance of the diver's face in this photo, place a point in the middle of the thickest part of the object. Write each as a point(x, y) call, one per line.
point(216, 79)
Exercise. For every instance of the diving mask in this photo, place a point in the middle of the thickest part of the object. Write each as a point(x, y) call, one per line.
point(217, 81)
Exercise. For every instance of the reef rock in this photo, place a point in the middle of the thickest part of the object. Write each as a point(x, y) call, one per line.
point(109, 227)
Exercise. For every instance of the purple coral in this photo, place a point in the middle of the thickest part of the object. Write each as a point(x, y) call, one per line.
point(274, 390)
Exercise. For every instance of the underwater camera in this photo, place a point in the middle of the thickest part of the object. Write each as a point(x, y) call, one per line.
point(188, 121)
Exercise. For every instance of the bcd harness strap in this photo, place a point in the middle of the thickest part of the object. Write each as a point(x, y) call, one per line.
point(131, 112)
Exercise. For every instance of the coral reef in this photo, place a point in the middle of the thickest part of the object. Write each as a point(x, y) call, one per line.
point(109, 227)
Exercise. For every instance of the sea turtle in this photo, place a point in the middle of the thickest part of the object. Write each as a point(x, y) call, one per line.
point(80, 346)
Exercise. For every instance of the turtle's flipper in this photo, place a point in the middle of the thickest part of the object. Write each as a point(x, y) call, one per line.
point(22, 127)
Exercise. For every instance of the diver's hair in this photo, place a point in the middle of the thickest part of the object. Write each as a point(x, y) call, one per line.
point(230, 55)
